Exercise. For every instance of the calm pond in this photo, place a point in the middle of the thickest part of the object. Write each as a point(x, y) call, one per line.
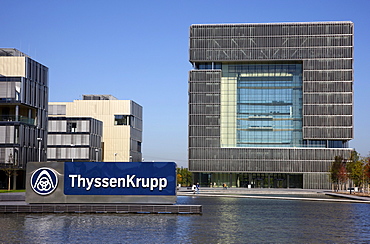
point(224, 220)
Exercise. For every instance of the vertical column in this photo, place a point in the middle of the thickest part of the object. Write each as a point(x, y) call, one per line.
point(39, 139)
point(30, 116)
point(14, 179)
point(287, 181)
point(17, 113)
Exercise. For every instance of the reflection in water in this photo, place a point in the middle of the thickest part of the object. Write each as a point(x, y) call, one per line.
point(224, 220)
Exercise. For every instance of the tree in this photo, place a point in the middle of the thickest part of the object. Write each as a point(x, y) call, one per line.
point(337, 171)
point(10, 170)
point(184, 177)
point(354, 168)
point(342, 175)
point(367, 171)
point(358, 173)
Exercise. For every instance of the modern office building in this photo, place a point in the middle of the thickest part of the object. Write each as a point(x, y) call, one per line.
point(122, 124)
point(270, 105)
point(74, 139)
point(23, 113)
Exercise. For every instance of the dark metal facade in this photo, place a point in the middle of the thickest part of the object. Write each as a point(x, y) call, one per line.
point(325, 50)
point(24, 115)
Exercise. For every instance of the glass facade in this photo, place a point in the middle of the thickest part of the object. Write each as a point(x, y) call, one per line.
point(268, 101)
point(250, 180)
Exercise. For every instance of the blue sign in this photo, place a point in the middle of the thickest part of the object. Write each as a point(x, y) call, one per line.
point(131, 178)
point(44, 181)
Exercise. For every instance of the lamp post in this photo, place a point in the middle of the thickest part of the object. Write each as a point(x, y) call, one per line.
point(115, 156)
point(39, 139)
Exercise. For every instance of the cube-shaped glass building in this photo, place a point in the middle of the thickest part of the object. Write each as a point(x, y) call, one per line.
point(270, 105)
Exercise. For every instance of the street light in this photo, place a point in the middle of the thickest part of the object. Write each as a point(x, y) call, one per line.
point(39, 139)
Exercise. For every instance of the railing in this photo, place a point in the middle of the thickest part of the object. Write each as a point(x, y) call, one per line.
point(23, 119)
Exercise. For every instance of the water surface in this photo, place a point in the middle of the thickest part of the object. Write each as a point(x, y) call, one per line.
point(224, 220)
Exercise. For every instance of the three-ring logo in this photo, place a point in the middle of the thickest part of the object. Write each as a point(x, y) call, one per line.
point(44, 181)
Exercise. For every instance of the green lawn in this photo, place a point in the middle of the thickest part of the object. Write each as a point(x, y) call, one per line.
point(6, 191)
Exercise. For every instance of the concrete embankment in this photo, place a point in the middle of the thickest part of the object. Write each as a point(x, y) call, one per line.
point(12, 197)
point(15, 203)
point(281, 194)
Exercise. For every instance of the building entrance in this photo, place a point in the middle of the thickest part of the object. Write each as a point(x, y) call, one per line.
point(265, 180)
point(250, 180)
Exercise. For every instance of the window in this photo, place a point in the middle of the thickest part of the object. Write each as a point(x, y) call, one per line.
point(267, 104)
point(123, 119)
point(268, 99)
point(208, 66)
point(71, 127)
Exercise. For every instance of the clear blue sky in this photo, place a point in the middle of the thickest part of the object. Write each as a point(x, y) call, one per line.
point(138, 50)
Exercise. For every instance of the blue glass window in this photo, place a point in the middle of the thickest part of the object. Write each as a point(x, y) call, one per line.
point(269, 105)
point(208, 65)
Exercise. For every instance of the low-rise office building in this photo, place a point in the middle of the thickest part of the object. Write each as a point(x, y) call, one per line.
point(122, 124)
point(74, 139)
